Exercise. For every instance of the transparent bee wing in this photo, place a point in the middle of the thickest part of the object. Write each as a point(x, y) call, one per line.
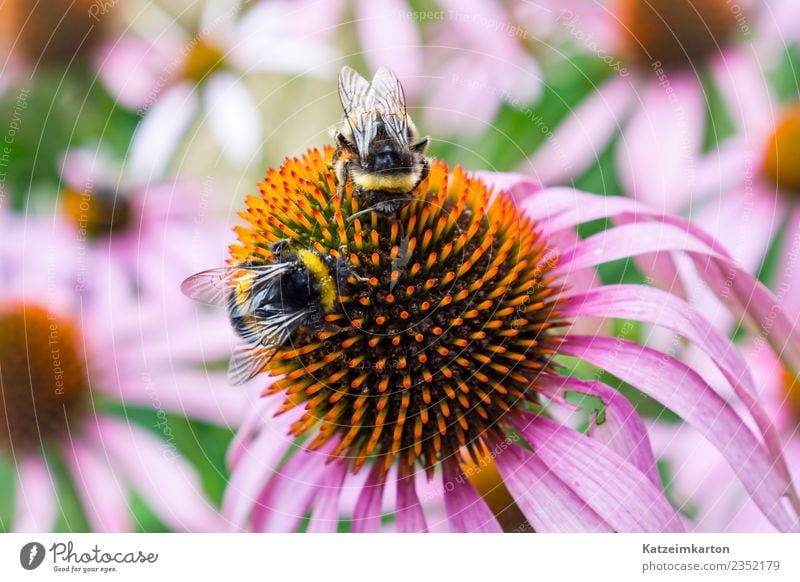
point(214, 285)
point(390, 102)
point(260, 341)
point(357, 102)
point(247, 361)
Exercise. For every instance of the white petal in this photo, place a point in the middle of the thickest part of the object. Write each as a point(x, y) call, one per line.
point(233, 117)
point(35, 500)
point(160, 132)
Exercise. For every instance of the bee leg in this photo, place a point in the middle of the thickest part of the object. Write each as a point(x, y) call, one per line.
point(342, 172)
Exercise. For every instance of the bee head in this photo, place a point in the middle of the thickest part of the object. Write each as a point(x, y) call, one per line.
point(385, 158)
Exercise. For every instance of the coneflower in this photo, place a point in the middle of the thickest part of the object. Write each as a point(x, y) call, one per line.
point(448, 365)
point(70, 362)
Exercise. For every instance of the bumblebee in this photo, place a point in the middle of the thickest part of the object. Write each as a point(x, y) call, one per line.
point(377, 145)
point(270, 303)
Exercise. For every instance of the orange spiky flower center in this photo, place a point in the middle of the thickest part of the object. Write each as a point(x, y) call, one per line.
point(791, 386)
point(42, 377)
point(442, 335)
point(782, 156)
point(98, 213)
point(675, 33)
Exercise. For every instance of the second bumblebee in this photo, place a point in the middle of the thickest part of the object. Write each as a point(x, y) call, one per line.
point(377, 144)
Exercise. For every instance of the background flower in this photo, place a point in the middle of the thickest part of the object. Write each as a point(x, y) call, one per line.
point(75, 376)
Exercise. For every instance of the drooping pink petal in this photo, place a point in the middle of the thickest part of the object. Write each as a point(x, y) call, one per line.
point(545, 500)
point(757, 307)
point(35, 499)
point(410, 516)
point(618, 492)
point(559, 208)
point(234, 118)
point(160, 132)
point(367, 512)
point(580, 139)
point(325, 515)
point(682, 390)
point(103, 496)
point(253, 463)
point(164, 479)
point(656, 153)
point(621, 428)
point(466, 510)
point(630, 240)
point(285, 501)
point(399, 51)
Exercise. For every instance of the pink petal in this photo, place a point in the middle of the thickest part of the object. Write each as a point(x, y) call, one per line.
point(104, 498)
point(285, 501)
point(410, 516)
point(465, 100)
point(254, 466)
point(35, 498)
point(517, 186)
point(164, 479)
point(755, 305)
point(325, 516)
point(234, 118)
point(200, 396)
point(744, 87)
point(629, 240)
point(657, 151)
point(579, 140)
point(160, 132)
point(753, 211)
point(682, 390)
point(367, 512)
point(787, 281)
point(618, 492)
point(560, 208)
point(399, 51)
point(547, 502)
point(622, 430)
point(466, 510)
point(135, 70)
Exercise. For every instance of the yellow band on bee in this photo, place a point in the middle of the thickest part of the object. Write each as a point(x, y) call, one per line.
point(402, 183)
point(322, 275)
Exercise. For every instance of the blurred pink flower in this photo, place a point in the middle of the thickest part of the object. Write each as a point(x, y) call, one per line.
point(605, 480)
point(166, 72)
point(150, 235)
point(68, 356)
point(477, 60)
point(654, 99)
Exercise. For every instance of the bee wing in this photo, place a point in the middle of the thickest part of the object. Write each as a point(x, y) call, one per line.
point(390, 101)
point(357, 102)
point(247, 361)
point(214, 285)
point(261, 340)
